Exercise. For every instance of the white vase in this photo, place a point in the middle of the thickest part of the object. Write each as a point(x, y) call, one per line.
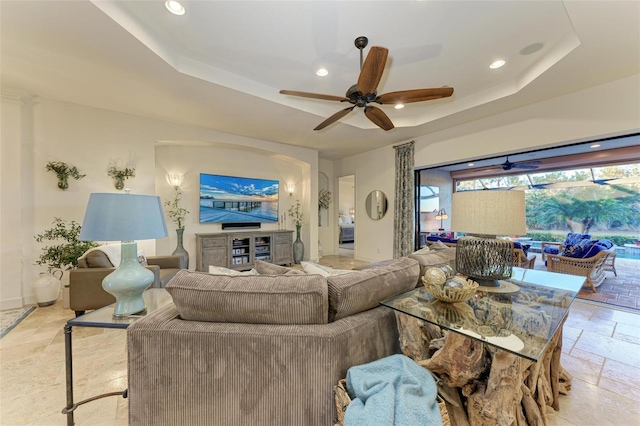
point(47, 288)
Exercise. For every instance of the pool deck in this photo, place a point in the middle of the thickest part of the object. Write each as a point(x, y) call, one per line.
point(621, 290)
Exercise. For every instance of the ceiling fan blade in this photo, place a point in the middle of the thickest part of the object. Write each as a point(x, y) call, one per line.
point(523, 166)
point(314, 95)
point(335, 117)
point(372, 70)
point(379, 118)
point(530, 162)
point(417, 95)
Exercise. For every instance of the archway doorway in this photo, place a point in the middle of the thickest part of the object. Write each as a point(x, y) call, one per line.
point(346, 215)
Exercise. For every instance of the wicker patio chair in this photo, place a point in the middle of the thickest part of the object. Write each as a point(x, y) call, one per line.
point(521, 260)
point(591, 267)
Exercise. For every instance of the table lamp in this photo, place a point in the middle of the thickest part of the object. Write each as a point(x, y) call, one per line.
point(125, 217)
point(483, 215)
point(441, 216)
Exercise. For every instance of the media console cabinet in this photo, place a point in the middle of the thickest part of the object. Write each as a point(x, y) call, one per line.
point(239, 250)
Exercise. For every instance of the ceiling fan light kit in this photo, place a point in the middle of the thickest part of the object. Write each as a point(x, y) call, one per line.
point(364, 92)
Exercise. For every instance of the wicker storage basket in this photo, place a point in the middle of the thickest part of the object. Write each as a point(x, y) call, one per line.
point(343, 399)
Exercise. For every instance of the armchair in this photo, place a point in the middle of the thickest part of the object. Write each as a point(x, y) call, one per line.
point(85, 282)
point(591, 267)
point(521, 260)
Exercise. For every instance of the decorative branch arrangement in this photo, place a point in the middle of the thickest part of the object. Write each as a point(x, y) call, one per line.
point(63, 171)
point(296, 214)
point(174, 211)
point(120, 175)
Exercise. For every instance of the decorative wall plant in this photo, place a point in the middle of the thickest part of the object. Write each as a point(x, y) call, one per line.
point(63, 171)
point(119, 175)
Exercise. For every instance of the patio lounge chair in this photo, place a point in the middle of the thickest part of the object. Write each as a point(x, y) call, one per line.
point(591, 267)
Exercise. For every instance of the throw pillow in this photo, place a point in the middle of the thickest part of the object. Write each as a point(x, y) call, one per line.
point(325, 271)
point(267, 268)
point(439, 245)
point(259, 299)
point(423, 250)
point(363, 290)
point(219, 270)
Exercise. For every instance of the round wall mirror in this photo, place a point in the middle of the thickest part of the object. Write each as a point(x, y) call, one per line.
point(376, 205)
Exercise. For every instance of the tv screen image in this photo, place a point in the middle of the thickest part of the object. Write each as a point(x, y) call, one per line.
point(226, 199)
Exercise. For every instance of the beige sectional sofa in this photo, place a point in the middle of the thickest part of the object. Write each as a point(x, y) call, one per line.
point(263, 349)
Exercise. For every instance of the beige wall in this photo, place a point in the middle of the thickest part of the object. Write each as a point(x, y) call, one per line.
point(45, 130)
point(612, 109)
point(89, 138)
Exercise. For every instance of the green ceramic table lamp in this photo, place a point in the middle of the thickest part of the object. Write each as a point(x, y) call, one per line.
point(126, 218)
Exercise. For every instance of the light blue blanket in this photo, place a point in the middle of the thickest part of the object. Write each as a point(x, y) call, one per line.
point(391, 391)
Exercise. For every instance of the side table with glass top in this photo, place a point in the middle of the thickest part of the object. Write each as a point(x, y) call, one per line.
point(154, 298)
point(497, 356)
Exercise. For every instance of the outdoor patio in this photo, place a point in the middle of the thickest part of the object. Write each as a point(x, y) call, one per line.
point(621, 290)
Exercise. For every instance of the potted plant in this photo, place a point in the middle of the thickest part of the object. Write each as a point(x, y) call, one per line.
point(63, 171)
point(297, 217)
point(177, 215)
point(62, 255)
point(119, 175)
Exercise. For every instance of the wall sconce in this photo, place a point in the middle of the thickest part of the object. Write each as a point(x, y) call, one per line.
point(441, 216)
point(175, 180)
point(352, 211)
point(291, 188)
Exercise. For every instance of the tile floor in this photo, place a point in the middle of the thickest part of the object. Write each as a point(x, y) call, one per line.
point(620, 289)
point(601, 348)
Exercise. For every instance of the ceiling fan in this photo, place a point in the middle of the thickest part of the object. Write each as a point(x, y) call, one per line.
point(508, 165)
point(364, 91)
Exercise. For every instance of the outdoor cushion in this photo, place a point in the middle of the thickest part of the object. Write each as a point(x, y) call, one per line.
point(605, 244)
point(251, 299)
point(583, 249)
point(524, 247)
point(443, 239)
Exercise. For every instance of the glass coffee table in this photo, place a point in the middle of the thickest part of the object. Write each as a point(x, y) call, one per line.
point(522, 323)
point(496, 350)
point(154, 298)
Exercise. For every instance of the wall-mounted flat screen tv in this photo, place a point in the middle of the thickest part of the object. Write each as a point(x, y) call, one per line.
point(225, 199)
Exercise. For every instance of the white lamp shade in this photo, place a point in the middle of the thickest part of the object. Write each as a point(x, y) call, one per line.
point(497, 212)
point(123, 217)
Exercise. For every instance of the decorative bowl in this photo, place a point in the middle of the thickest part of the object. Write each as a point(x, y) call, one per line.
point(455, 290)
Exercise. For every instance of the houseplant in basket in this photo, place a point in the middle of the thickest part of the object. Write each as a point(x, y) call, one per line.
point(61, 255)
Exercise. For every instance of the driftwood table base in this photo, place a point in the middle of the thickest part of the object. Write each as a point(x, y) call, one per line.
point(482, 385)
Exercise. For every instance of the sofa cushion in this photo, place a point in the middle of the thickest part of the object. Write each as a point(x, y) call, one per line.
point(363, 290)
point(267, 268)
point(325, 271)
point(257, 299)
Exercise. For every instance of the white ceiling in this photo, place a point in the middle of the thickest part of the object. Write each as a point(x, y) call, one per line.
point(222, 64)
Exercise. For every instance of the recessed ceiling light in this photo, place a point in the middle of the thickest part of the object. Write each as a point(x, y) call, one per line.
point(497, 64)
point(595, 145)
point(470, 164)
point(398, 106)
point(174, 7)
point(322, 72)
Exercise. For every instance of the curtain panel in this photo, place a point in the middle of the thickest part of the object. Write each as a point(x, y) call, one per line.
point(403, 212)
